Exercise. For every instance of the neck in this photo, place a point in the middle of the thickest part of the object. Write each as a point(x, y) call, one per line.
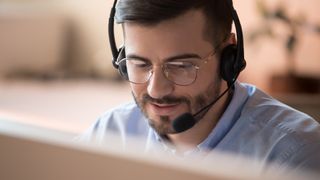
point(190, 138)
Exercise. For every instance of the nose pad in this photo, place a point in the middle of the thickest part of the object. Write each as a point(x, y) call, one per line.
point(165, 73)
point(149, 75)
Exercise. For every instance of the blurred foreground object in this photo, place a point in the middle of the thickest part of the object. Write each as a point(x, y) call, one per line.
point(29, 152)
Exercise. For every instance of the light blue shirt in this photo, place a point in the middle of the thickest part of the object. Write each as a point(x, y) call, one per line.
point(253, 125)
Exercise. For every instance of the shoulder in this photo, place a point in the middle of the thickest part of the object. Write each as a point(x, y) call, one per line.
point(288, 135)
point(266, 111)
point(122, 120)
point(121, 112)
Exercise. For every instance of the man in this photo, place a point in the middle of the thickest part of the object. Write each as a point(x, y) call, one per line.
point(176, 57)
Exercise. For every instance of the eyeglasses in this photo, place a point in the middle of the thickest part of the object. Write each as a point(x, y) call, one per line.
point(181, 72)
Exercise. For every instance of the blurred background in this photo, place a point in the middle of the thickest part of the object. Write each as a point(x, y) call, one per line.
point(56, 67)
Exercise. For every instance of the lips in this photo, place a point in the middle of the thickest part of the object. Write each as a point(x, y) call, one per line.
point(164, 109)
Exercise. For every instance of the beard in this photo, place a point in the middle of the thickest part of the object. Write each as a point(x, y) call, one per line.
point(163, 125)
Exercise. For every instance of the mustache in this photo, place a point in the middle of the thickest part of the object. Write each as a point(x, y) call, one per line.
point(164, 100)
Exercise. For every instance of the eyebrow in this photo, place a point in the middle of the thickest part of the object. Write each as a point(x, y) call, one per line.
point(134, 56)
point(172, 58)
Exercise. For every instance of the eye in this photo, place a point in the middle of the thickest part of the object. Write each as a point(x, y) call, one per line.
point(138, 63)
point(179, 65)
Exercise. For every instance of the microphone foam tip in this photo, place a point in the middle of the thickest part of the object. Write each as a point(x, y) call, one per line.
point(183, 122)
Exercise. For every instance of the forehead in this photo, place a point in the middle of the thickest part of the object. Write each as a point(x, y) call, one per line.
point(184, 34)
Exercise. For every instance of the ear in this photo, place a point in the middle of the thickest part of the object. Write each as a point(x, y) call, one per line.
point(232, 39)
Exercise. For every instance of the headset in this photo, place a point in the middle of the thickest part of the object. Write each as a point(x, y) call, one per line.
point(232, 60)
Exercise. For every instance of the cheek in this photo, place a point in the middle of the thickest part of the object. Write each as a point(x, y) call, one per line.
point(208, 75)
point(138, 90)
point(204, 88)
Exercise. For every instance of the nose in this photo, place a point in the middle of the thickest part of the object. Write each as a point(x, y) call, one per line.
point(158, 85)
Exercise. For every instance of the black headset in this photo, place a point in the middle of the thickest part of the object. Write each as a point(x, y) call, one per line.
point(232, 60)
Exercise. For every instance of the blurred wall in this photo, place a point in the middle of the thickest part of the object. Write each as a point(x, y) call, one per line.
point(80, 29)
point(90, 46)
point(32, 39)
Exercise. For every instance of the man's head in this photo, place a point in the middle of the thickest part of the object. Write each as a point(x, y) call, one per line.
point(172, 56)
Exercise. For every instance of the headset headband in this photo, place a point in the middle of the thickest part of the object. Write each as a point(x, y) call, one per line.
point(112, 41)
point(237, 24)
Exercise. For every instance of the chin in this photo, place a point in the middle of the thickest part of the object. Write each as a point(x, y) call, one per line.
point(161, 124)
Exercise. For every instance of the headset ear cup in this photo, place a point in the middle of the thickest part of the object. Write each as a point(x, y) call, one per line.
point(123, 69)
point(228, 60)
point(122, 53)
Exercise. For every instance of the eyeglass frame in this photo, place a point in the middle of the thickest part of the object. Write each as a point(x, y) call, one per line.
point(151, 71)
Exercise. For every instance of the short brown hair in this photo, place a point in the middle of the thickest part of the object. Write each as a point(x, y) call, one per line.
point(152, 12)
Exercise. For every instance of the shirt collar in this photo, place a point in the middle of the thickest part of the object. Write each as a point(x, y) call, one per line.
point(228, 118)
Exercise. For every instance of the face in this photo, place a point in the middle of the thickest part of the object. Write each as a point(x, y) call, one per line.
point(160, 99)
